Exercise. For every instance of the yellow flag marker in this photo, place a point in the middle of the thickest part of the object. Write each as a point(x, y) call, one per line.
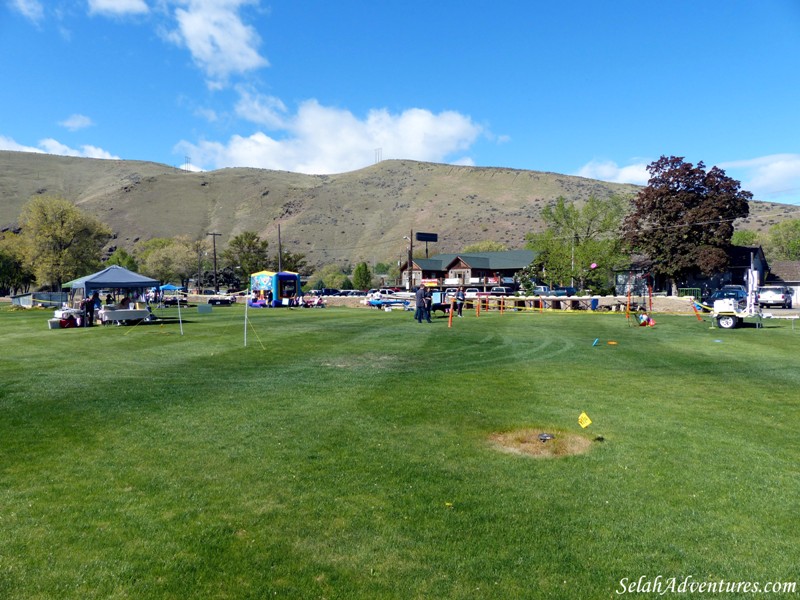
point(584, 420)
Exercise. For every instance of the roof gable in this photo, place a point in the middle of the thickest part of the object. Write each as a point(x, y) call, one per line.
point(785, 271)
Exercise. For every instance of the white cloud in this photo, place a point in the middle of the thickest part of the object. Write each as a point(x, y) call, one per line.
point(319, 139)
point(7, 143)
point(76, 122)
point(51, 146)
point(219, 41)
point(607, 170)
point(263, 110)
point(118, 7)
point(30, 9)
point(775, 177)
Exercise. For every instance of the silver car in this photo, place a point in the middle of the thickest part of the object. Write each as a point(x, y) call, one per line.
point(773, 295)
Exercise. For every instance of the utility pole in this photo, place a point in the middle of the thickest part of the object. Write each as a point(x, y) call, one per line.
point(214, 240)
point(280, 250)
point(409, 265)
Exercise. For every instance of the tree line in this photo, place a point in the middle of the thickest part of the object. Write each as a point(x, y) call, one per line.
point(683, 221)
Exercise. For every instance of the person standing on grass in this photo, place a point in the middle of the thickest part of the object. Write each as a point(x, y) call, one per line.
point(419, 297)
point(460, 298)
point(428, 303)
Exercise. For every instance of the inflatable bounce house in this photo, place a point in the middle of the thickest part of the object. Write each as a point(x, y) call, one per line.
point(274, 289)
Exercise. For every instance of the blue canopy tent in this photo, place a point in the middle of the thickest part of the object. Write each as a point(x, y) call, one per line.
point(114, 278)
point(110, 278)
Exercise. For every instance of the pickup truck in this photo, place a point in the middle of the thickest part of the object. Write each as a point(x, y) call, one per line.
point(501, 291)
point(563, 291)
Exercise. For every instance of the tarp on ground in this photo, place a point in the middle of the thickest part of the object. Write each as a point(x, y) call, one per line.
point(113, 277)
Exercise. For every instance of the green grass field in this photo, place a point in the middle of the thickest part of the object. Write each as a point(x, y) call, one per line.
point(345, 454)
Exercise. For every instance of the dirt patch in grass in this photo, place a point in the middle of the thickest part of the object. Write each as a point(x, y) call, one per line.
point(538, 444)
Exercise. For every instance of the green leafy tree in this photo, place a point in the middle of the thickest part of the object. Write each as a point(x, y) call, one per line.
point(159, 264)
point(485, 246)
point(184, 257)
point(173, 259)
point(683, 219)
point(59, 241)
point(576, 238)
point(144, 248)
point(290, 261)
point(783, 240)
point(745, 237)
point(247, 252)
point(14, 276)
point(121, 258)
point(362, 277)
point(328, 276)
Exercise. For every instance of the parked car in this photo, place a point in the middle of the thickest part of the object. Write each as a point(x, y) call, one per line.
point(738, 296)
point(173, 301)
point(500, 290)
point(541, 290)
point(471, 293)
point(563, 291)
point(773, 295)
point(325, 292)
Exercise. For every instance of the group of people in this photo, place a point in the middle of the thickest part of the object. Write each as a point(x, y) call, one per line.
point(264, 299)
point(93, 304)
point(424, 301)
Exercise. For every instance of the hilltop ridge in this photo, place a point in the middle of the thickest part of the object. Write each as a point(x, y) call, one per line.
point(347, 217)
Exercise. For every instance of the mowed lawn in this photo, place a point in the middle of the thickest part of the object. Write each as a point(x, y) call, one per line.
point(345, 453)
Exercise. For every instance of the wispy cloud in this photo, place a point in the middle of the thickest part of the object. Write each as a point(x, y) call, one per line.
point(52, 146)
point(118, 8)
point(319, 139)
point(775, 177)
point(263, 110)
point(219, 41)
point(6, 143)
point(607, 170)
point(30, 9)
point(76, 122)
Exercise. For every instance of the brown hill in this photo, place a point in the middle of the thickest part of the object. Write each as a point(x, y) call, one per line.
point(349, 217)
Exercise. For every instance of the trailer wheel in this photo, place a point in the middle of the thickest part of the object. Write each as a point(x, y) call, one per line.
point(727, 321)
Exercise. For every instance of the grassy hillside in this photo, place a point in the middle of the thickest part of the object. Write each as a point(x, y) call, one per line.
point(361, 215)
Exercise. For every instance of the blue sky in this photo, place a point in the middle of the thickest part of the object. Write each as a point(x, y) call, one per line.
point(598, 89)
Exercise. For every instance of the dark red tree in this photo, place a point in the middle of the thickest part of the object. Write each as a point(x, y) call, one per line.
point(683, 219)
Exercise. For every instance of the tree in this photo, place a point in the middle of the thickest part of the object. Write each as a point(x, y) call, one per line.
point(485, 246)
point(247, 252)
point(575, 239)
point(362, 277)
point(168, 259)
point(328, 276)
point(745, 237)
point(294, 262)
point(783, 240)
point(123, 259)
point(60, 241)
point(14, 276)
point(683, 219)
